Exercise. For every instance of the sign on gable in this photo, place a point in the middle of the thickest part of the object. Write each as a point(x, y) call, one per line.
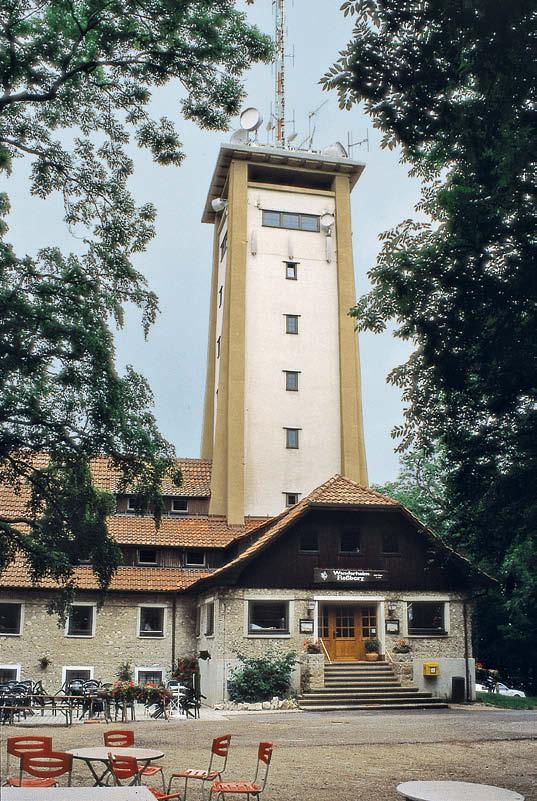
point(328, 576)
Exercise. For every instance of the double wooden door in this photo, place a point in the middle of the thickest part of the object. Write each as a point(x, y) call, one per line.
point(343, 629)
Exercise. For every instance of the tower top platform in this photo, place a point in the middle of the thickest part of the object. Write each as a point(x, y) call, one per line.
point(268, 163)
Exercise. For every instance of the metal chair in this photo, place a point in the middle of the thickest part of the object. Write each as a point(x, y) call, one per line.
point(124, 738)
point(45, 769)
point(253, 788)
point(26, 744)
point(219, 749)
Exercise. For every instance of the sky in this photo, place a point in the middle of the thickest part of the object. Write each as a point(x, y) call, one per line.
point(177, 263)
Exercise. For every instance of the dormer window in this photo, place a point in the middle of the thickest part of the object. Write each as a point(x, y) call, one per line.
point(147, 556)
point(195, 558)
point(131, 504)
point(179, 506)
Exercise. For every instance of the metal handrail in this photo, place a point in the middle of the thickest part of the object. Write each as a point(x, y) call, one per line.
point(323, 646)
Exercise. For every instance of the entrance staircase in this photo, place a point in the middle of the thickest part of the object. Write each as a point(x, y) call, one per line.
point(365, 685)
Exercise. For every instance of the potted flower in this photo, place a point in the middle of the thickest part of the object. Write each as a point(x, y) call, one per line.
point(372, 647)
point(312, 646)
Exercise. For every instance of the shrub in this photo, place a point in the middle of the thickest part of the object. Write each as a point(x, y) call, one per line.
point(260, 678)
point(125, 672)
point(372, 646)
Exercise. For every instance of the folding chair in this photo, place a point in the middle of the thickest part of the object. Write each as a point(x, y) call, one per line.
point(46, 768)
point(124, 768)
point(124, 738)
point(219, 748)
point(253, 788)
point(23, 744)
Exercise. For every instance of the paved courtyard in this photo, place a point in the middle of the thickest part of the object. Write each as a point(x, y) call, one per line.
point(356, 756)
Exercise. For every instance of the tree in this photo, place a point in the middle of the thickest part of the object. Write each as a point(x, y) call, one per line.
point(454, 86)
point(77, 77)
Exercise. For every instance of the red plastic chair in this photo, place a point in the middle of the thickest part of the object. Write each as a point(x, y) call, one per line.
point(219, 748)
point(24, 744)
point(124, 738)
point(253, 788)
point(46, 768)
point(124, 768)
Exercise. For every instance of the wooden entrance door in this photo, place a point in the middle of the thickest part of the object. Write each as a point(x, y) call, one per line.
point(343, 628)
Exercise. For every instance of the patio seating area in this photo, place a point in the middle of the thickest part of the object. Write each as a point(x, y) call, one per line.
point(27, 702)
point(34, 765)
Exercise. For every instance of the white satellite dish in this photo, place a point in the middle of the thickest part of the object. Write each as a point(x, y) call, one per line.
point(251, 119)
point(336, 149)
point(327, 220)
point(239, 137)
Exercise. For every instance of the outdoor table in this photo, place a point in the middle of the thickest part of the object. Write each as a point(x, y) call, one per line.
point(77, 794)
point(144, 756)
point(455, 791)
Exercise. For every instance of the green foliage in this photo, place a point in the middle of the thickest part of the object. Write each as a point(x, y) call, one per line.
point(260, 678)
point(454, 85)
point(77, 82)
point(372, 646)
point(505, 701)
point(125, 672)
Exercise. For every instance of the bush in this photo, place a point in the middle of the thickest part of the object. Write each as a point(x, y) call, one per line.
point(260, 678)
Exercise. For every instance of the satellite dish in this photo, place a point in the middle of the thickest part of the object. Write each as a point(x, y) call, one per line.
point(336, 149)
point(239, 137)
point(327, 221)
point(218, 204)
point(251, 119)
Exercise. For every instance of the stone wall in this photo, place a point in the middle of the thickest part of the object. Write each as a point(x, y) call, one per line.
point(115, 641)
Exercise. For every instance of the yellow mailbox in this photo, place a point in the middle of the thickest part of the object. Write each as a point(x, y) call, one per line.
point(431, 668)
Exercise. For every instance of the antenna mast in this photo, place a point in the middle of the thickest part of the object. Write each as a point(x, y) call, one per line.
point(279, 104)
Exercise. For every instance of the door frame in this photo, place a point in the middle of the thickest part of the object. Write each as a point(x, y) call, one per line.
point(352, 600)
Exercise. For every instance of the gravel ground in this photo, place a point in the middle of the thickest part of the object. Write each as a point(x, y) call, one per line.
point(353, 755)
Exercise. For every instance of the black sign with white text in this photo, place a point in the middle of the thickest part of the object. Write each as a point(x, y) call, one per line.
point(346, 576)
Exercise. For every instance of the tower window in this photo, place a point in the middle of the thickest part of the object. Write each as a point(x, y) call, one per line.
point(223, 246)
point(218, 347)
point(291, 270)
point(290, 220)
point(291, 437)
point(291, 323)
point(220, 294)
point(291, 380)
point(291, 498)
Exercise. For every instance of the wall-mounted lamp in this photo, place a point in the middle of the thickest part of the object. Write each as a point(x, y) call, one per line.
point(218, 204)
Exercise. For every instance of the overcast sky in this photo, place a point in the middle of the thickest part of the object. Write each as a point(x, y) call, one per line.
point(178, 261)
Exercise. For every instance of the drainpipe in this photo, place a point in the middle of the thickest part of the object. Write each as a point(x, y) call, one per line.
point(466, 650)
point(174, 615)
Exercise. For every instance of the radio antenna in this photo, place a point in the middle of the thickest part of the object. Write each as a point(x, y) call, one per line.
point(279, 101)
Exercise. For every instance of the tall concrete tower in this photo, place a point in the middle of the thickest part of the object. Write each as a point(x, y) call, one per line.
point(283, 407)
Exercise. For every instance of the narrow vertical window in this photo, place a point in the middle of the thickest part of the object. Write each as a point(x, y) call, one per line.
point(218, 347)
point(291, 323)
point(291, 437)
point(291, 270)
point(291, 380)
point(220, 295)
point(223, 246)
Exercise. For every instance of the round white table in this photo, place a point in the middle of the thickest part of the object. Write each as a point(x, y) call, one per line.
point(455, 791)
point(144, 756)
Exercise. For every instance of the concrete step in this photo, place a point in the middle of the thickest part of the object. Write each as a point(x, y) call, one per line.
point(364, 691)
point(416, 698)
point(328, 708)
point(316, 698)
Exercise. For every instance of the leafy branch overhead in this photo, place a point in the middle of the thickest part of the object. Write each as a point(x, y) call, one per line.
point(454, 86)
point(77, 78)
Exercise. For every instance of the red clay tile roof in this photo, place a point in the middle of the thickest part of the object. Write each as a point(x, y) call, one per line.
point(126, 579)
point(196, 477)
point(185, 532)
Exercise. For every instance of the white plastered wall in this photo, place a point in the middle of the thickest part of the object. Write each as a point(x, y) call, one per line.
point(270, 468)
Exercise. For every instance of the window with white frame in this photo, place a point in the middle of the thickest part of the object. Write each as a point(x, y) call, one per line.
point(291, 220)
point(268, 617)
point(151, 621)
point(131, 504)
point(179, 506)
point(81, 621)
point(291, 498)
point(209, 619)
point(76, 673)
point(149, 675)
point(10, 619)
point(10, 673)
point(426, 618)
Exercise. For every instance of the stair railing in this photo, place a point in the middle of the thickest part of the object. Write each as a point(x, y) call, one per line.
point(326, 654)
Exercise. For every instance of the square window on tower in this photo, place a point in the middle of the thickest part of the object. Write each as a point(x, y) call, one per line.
point(291, 380)
point(291, 438)
point(291, 270)
point(291, 323)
